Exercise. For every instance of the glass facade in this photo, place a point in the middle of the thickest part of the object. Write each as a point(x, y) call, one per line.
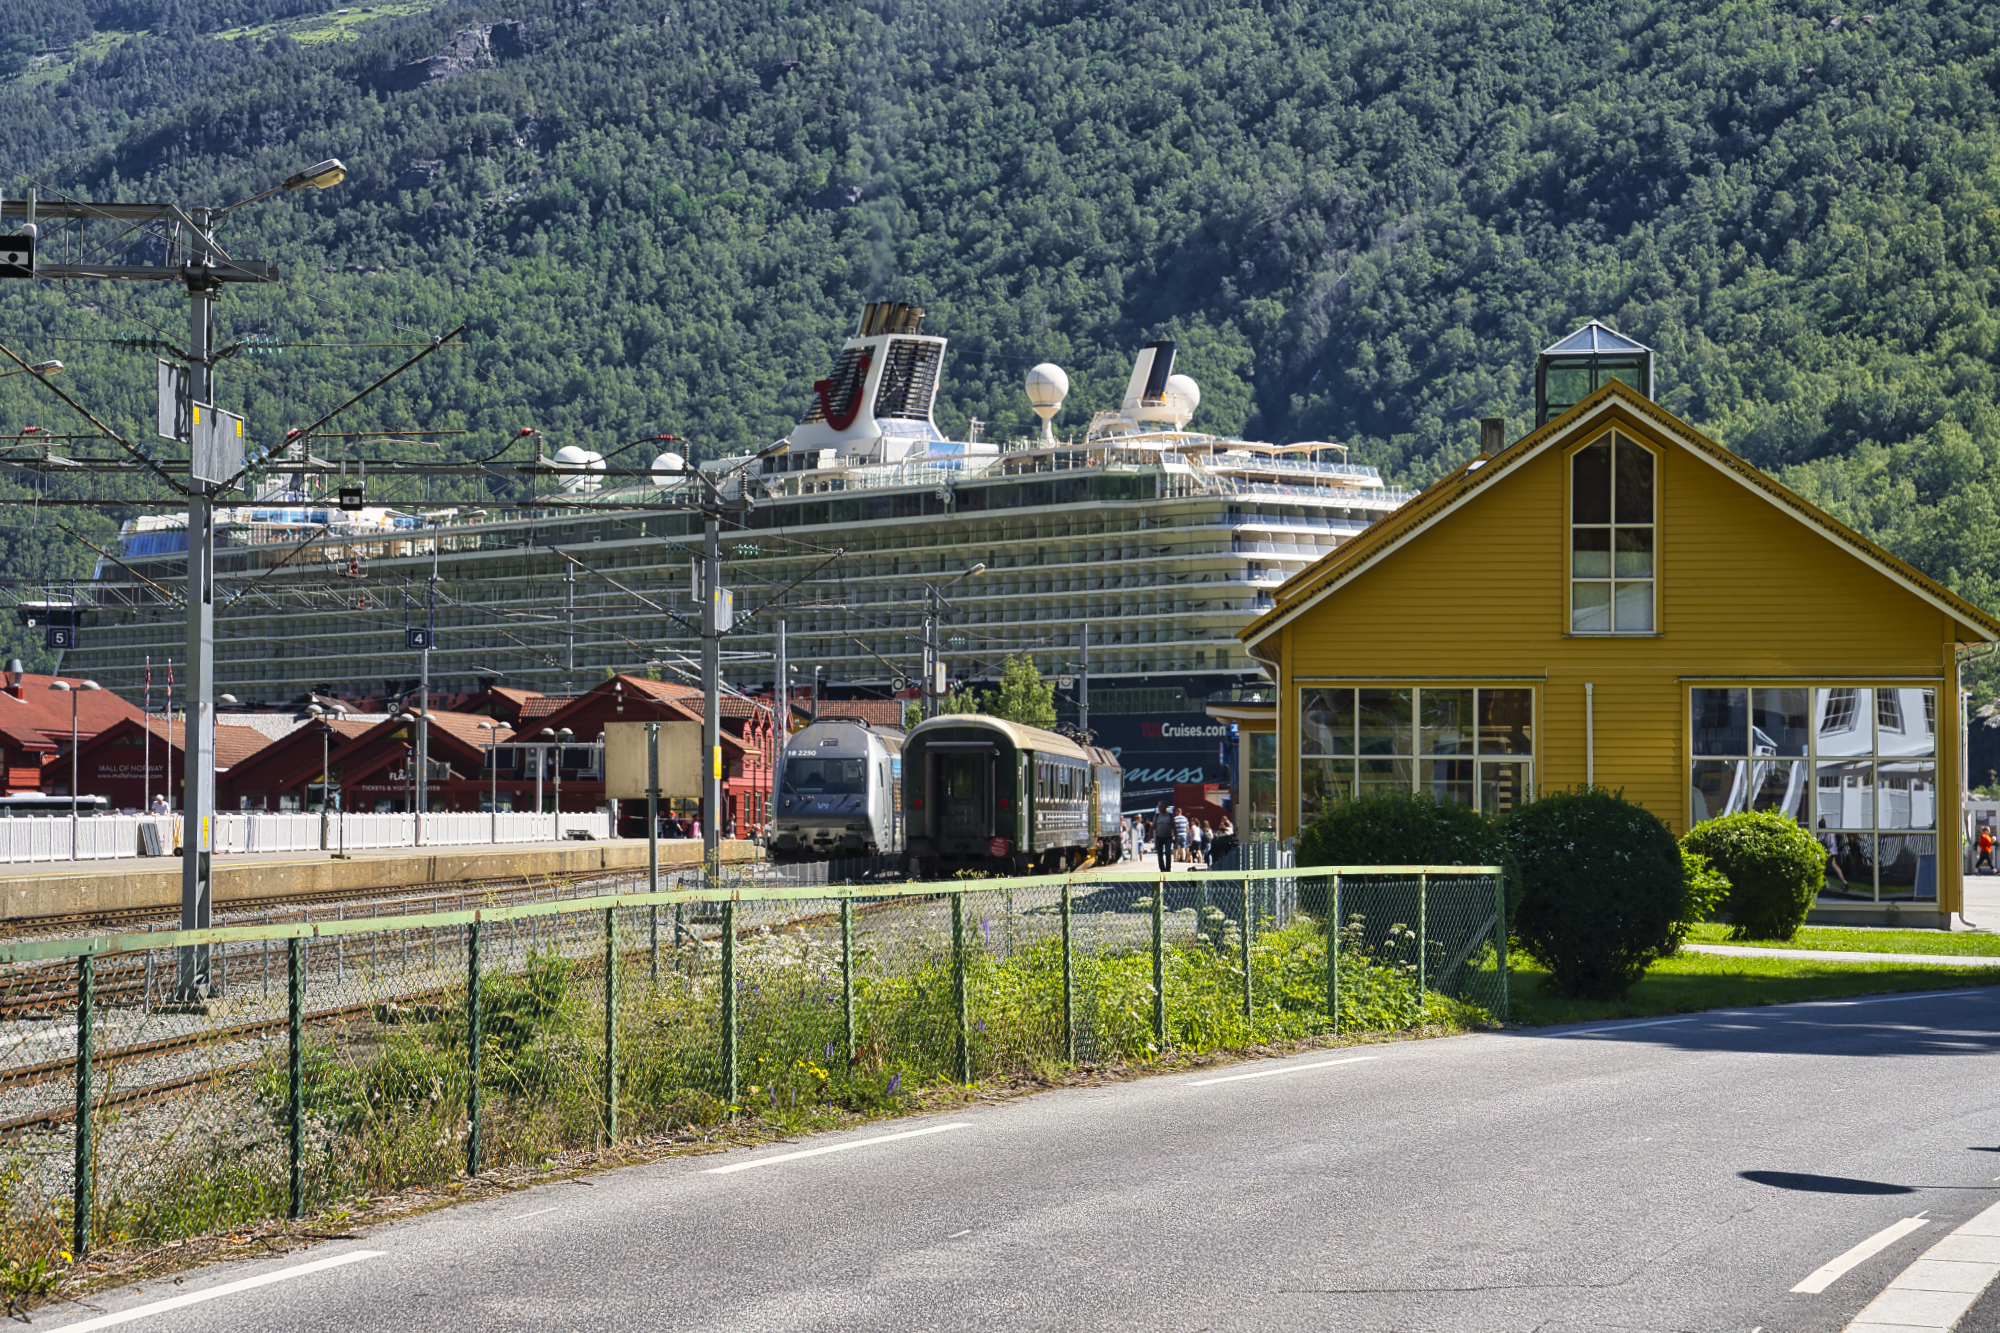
point(1467, 745)
point(1262, 772)
point(1611, 538)
point(1855, 765)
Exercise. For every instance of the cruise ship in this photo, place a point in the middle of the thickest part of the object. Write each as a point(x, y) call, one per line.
point(1154, 538)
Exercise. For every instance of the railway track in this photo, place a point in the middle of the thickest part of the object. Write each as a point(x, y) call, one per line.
point(21, 1076)
point(44, 989)
point(66, 923)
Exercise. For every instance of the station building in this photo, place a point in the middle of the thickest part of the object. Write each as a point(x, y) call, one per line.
point(1616, 599)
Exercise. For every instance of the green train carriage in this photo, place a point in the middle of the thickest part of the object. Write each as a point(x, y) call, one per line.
point(980, 793)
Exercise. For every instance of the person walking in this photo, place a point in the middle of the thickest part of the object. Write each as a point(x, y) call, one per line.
point(1984, 842)
point(1181, 830)
point(1163, 836)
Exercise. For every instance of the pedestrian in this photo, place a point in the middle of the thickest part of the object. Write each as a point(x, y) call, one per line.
point(1181, 829)
point(1163, 836)
point(1207, 845)
point(1985, 844)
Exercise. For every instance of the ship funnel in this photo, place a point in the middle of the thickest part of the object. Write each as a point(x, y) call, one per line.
point(876, 402)
point(879, 317)
point(1148, 385)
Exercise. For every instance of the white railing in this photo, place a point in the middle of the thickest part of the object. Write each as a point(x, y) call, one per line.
point(106, 837)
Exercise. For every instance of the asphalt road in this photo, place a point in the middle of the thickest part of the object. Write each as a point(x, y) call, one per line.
point(1677, 1175)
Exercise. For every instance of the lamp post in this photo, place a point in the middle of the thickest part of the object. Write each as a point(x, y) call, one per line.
point(493, 769)
point(73, 691)
point(42, 368)
point(935, 608)
point(406, 717)
point(563, 737)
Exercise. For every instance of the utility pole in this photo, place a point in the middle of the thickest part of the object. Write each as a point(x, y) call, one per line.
point(935, 608)
point(424, 688)
point(569, 629)
point(711, 683)
point(1083, 684)
point(203, 271)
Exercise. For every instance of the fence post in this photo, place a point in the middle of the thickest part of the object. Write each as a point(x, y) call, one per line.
point(295, 1074)
point(847, 974)
point(1243, 938)
point(1423, 932)
point(653, 837)
point(729, 1003)
point(958, 987)
point(1500, 935)
point(86, 995)
point(472, 1044)
point(1333, 954)
point(610, 1027)
point(1159, 967)
point(1068, 981)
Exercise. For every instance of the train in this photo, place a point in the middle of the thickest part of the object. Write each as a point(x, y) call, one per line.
point(839, 793)
point(985, 794)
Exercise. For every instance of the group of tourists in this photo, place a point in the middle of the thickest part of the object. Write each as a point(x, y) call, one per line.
point(1175, 838)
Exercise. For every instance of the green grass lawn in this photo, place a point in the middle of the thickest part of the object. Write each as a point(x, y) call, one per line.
point(1694, 982)
point(1961, 943)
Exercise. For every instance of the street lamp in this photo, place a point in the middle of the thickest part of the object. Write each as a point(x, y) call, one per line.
point(933, 650)
point(325, 715)
point(493, 768)
point(42, 368)
point(563, 737)
point(73, 691)
point(407, 718)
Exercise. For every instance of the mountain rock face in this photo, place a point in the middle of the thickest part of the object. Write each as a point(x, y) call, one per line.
point(483, 47)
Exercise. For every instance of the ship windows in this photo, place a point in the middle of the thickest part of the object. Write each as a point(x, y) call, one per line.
point(1612, 531)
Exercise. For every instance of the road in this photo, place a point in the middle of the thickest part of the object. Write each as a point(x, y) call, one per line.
point(1665, 1175)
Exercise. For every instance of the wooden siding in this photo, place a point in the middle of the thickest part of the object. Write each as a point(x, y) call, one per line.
point(1746, 590)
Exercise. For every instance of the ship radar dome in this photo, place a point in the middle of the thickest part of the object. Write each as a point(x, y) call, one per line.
point(1047, 387)
point(1184, 395)
point(668, 462)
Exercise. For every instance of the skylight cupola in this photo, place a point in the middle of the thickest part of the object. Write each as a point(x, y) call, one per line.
point(1566, 373)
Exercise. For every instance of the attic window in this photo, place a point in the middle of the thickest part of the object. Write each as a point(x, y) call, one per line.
point(1612, 579)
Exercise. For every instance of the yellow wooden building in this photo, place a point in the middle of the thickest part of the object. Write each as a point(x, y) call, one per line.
point(1617, 599)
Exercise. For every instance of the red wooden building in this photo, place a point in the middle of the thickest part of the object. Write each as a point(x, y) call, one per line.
point(124, 766)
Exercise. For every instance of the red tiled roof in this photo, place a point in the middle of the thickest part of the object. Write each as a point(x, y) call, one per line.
point(47, 711)
point(873, 712)
point(233, 744)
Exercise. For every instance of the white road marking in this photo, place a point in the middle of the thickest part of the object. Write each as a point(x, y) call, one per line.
point(1288, 1069)
point(1833, 1270)
point(838, 1147)
point(1626, 1027)
point(956, 1234)
point(522, 1217)
point(226, 1289)
point(1933, 1294)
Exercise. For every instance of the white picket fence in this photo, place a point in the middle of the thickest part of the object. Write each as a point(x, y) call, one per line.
point(106, 837)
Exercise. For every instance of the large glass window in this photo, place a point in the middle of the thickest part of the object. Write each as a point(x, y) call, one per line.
point(1857, 765)
point(1468, 746)
point(1263, 784)
point(1611, 538)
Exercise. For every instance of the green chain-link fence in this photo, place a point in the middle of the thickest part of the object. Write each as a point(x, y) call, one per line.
point(358, 1055)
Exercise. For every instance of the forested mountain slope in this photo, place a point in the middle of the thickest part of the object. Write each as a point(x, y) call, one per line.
point(1360, 220)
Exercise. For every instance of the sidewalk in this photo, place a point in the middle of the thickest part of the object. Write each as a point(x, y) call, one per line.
point(1846, 955)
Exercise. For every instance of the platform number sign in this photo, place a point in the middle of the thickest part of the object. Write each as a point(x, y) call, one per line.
point(17, 256)
point(417, 639)
point(59, 636)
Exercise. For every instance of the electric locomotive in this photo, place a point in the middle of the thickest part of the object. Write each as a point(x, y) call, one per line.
point(839, 793)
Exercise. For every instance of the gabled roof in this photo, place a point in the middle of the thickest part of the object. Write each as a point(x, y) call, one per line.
point(1387, 534)
point(233, 744)
point(39, 708)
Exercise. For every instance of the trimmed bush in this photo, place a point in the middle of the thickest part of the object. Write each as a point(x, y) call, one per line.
point(1774, 867)
point(1603, 889)
point(1395, 829)
point(1706, 888)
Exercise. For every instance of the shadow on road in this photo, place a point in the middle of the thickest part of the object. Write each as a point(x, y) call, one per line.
point(1798, 1180)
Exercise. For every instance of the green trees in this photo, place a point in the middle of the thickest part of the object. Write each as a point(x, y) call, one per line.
point(1022, 696)
point(1360, 223)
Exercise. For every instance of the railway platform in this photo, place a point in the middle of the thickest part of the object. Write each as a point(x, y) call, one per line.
point(94, 890)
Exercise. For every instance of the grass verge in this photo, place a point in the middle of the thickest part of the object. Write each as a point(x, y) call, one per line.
point(1694, 982)
point(1959, 944)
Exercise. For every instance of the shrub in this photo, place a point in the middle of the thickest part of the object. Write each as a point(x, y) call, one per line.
point(1774, 868)
point(1394, 829)
point(1706, 888)
point(1602, 886)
